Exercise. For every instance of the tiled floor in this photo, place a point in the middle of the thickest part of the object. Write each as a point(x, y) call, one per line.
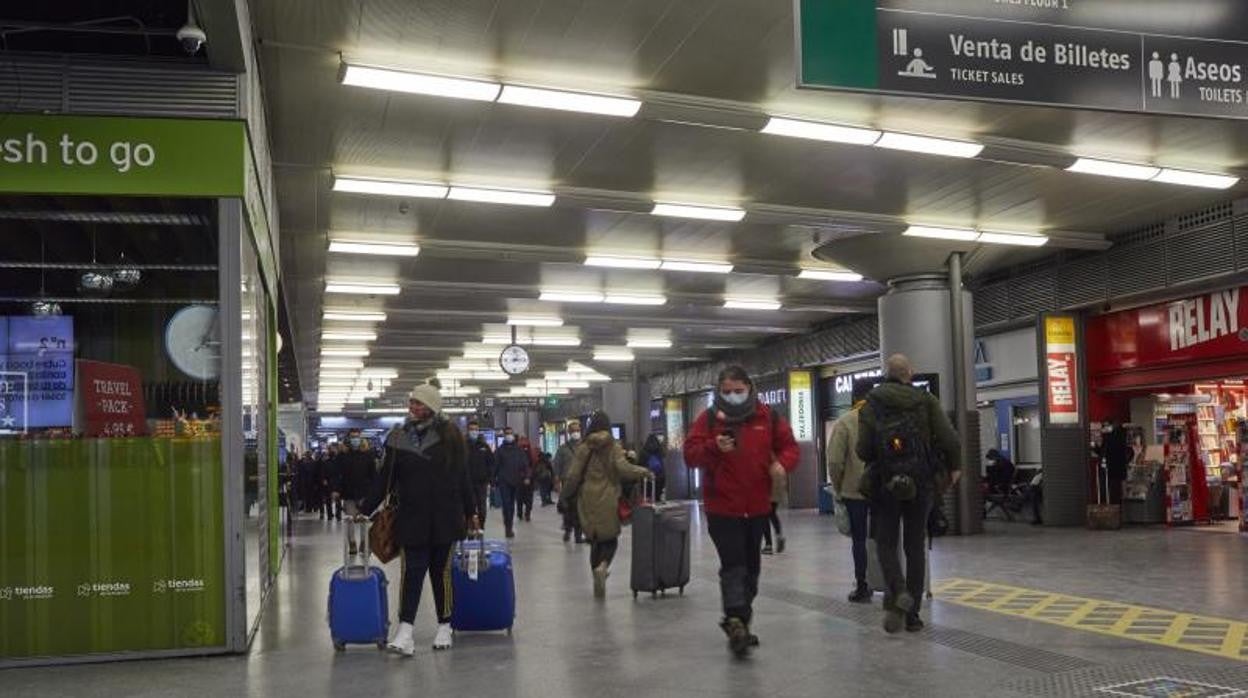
point(814, 643)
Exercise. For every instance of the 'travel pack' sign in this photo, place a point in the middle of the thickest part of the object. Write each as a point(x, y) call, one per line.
point(1061, 370)
point(1160, 57)
point(111, 399)
point(1200, 328)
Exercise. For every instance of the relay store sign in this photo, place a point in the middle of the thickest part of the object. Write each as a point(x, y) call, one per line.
point(1061, 370)
point(119, 155)
point(1208, 327)
point(1161, 57)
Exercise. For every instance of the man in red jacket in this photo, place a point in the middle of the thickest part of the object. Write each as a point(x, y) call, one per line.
point(741, 445)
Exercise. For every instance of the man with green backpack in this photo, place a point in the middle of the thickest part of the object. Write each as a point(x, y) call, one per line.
point(912, 454)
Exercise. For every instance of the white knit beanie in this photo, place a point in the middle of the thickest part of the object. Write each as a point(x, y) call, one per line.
point(428, 395)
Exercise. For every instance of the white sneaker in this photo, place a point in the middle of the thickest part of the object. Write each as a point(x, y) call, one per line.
point(404, 643)
point(445, 637)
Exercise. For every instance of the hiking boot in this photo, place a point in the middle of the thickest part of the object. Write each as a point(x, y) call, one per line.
point(511, 533)
point(779, 545)
point(767, 550)
point(738, 637)
point(913, 623)
point(600, 581)
point(895, 615)
point(862, 594)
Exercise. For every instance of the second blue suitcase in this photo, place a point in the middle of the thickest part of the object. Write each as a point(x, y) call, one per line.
point(484, 596)
point(358, 606)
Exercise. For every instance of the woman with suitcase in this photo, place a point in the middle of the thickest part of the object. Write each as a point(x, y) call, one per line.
point(425, 469)
point(594, 481)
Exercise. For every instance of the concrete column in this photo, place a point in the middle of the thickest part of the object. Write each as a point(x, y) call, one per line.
point(916, 319)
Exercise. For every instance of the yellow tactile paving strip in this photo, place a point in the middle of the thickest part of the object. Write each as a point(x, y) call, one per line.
point(1185, 631)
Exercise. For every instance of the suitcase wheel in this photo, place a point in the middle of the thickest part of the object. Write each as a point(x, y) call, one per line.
point(381, 645)
point(682, 591)
point(654, 594)
point(634, 595)
point(509, 632)
point(339, 646)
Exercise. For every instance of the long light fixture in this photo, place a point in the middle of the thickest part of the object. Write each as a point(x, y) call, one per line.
point(829, 275)
point(939, 233)
point(636, 299)
point(820, 132)
point(572, 376)
point(1024, 240)
point(613, 355)
point(341, 363)
point(1109, 168)
point(600, 260)
point(535, 320)
point(345, 315)
point(1196, 179)
point(929, 145)
point(555, 340)
point(349, 335)
point(698, 211)
point(344, 351)
point(389, 187)
point(571, 296)
point(513, 197)
point(703, 267)
point(385, 249)
point(418, 83)
point(649, 343)
point(752, 304)
point(490, 376)
point(480, 351)
point(379, 372)
point(569, 101)
point(461, 390)
point(367, 289)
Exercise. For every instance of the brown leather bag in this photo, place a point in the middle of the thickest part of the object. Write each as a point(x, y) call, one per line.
point(382, 537)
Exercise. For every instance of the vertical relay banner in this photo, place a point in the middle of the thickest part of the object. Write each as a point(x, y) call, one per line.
point(801, 406)
point(1061, 370)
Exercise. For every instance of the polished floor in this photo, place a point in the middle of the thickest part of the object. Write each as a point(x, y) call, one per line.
point(814, 643)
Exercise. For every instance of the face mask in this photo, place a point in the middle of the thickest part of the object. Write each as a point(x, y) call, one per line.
point(574, 436)
point(509, 439)
point(355, 443)
point(472, 435)
point(735, 398)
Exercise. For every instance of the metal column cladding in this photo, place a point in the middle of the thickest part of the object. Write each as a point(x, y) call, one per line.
point(1064, 423)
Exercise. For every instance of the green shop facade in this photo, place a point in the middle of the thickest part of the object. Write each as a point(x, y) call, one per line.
point(138, 439)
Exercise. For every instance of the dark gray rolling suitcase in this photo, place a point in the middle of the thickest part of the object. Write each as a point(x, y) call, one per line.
point(660, 545)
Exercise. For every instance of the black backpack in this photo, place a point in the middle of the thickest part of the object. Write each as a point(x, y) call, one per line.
point(902, 448)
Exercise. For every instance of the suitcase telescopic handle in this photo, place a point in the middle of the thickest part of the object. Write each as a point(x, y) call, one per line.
point(649, 489)
point(364, 551)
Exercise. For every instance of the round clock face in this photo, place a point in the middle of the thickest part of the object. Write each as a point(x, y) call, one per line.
point(514, 360)
point(193, 342)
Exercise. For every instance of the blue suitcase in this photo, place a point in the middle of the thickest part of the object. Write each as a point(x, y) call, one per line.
point(358, 605)
point(483, 585)
point(827, 500)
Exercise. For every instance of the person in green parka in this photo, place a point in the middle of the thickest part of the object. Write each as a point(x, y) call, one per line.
point(599, 466)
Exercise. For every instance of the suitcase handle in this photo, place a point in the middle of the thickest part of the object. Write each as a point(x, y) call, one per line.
point(364, 552)
point(649, 491)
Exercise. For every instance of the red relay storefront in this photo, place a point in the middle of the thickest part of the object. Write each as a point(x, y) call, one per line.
point(1173, 377)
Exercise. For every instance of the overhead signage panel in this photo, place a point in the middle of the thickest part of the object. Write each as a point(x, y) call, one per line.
point(1124, 56)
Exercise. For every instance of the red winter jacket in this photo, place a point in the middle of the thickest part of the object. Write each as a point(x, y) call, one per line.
point(739, 483)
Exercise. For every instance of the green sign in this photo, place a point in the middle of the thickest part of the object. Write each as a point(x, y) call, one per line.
point(110, 545)
point(119, 155)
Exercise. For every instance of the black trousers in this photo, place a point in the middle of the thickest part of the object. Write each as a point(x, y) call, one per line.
point(773, 521)
point(481, 490)
point(547, 487)
point(858, 512)
point(904, 522)
point(603, 551)
point(524, 501)
point(738, 541)
point(572, 519)
point(417, 562)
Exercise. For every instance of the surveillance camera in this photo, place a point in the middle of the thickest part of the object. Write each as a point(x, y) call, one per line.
point(192, 38)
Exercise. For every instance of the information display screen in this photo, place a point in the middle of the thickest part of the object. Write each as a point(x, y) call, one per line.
point(36, 372)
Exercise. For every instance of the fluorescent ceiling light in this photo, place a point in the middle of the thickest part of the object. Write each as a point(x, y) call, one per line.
point(752, 304)
point(543, 383)
point(571, 296)
point(388, 249)
point(362, 288)
point(380, 373)
point(387, 187)
point(348, 335)
point(636, 299)
point(821, 132)
point(710, 213)
point(1013, 239)
point(569, 101)
point(649, 343)
point(481, 351)
point(559, 391)
point(417, 83)
point(597, 260)
point(454, 375)
point(387, 410)
point(707, 267)
point(555, 341)
point(1196, 179)
point(341, 363)
point(575, 367)
point(927, 231)
point(1108, 168)
point(490, 376)
point(470, 365)
point(339, 375)
point(344, 351)
point(614, 356)
point(459, 390)
point(354, 316)
point(929, 145)
point(829, 275)
point(535, 320)
point(502, 196)
point(569, 376)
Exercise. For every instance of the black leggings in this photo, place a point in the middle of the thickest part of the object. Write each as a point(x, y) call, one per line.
point(773, 522)
point(603, 551)
point(417, 562)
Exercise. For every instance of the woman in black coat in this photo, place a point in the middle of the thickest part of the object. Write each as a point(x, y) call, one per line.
point(425, 469)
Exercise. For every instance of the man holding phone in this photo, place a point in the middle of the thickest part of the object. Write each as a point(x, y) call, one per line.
point(741, 444)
